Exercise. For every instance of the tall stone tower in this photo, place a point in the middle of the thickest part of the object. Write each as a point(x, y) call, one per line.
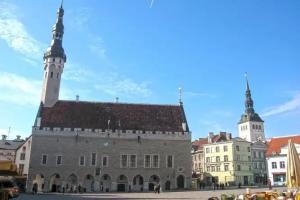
point(54, 60)
point(251, 126)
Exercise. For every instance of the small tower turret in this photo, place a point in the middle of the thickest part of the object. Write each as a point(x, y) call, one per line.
point(54, 60)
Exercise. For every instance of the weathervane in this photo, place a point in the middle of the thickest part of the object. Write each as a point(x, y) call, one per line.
point(180, 95)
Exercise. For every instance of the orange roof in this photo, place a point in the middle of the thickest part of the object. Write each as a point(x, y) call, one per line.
point(275, 144)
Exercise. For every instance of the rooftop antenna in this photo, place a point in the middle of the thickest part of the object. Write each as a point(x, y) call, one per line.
point(180, 95)
point(8, 132)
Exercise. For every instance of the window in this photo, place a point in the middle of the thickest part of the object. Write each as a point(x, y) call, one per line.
point(57, 75)
point(225, 148)
point(226, 158)
point(22, 156)
point(208, 168)
point(254, 154)
point(217, 149)
point(124, 161)
point(248, 149)
point(94, 159)
point(238, 157)
point(218, 159)
point(253, 126)
point(81, 160)
point(238, 167)
point(249, 167)
point(255, 165)
point(207, 150)
point(237, 148)
point(218, 168)
point(282, 164)
point(155, 161)
point(51, 75)
point(169, 161)
point(260, 165)
point(44, 159)
point(249, 158)
point(213, 168)
point(147, 161)
point(58, 160)
point(98, 171)
point(21, 169)
point(226, 168)
point(199, 157)
point(133, 163)
point(208, 159)
point(274, 165)
point(104, 161)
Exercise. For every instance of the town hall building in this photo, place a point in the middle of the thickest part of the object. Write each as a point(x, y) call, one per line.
point(102, 147)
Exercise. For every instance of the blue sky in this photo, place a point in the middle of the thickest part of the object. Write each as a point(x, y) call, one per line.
point(143, 51)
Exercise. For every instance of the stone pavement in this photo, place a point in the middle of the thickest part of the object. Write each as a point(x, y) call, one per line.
point(138, 196)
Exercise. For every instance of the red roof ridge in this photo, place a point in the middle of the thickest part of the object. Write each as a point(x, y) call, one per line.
point(296, 135)
point(124, 103)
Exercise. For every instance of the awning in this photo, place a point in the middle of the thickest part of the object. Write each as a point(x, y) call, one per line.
point(8, 168)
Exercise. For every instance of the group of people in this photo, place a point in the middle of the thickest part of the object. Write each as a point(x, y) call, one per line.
point(217, 186)
point(157, 188)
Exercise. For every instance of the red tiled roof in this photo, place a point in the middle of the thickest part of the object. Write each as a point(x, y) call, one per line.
point(275, 144)
point(72, 114)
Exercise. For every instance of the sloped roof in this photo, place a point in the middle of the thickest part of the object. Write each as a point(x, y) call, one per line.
point(275, 144)
point(95, 115)
point(10, 144)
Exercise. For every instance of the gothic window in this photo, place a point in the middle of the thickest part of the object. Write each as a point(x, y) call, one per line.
point(58, 160)
point(81, 160)
point(169, 161)
point(94, 157)
point(147, 161)
point(155, 161)
point(44, 159)
point(51, 75)
point(105, 161)
point(124, 161)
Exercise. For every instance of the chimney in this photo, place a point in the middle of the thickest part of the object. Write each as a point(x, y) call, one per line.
point(117, 99)
point(77, 98)
point(228, 136)
point(4, 137)
point(210, 137)
point(18, 137)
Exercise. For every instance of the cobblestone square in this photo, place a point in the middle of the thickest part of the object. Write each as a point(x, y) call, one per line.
point(141, 196)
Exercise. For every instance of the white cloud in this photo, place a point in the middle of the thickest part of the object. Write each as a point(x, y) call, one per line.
point(13, 31)
point(80, 18)
point(291, 105)
point(97, 47)
point(19, 90)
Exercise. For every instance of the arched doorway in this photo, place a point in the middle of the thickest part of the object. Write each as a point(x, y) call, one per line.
point(88, 183)
point(71, 185)
point(38, 182)
point(168, 185)
point(138, 183)
point(105, 183)
point(153, 180)
point(122, 183)
point(180, 182)
point(55, 183)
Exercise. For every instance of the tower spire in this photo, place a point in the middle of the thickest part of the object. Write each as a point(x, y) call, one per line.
point(249, 101)
point(54, 60)
point(61, 4)
point(56, 49)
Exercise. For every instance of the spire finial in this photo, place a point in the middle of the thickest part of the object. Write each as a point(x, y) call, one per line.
point(246, 76)
point(180, 95)
point(62, 2)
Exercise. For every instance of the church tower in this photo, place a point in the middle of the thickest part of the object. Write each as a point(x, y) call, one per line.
point(251, 126)
point(54, 60)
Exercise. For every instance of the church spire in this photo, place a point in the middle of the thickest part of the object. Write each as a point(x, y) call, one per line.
point(56, 49)
point(249, 101)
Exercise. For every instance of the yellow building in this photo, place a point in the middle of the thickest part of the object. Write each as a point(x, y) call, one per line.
point(227, 160)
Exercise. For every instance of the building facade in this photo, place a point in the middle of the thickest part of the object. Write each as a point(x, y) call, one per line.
point(23, 157)
point(277, 158)
point(8, 148)
point(198, 164)
point(228, 160)
point(259, 163)
point(96, 146)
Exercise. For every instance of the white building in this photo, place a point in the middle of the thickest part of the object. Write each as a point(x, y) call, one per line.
point(8, 148)
point(23, 157)
point(277, 158)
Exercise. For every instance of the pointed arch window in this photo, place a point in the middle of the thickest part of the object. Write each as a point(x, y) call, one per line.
point(51, 75)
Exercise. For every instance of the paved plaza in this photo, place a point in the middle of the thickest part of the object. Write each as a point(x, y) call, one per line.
point(141, 196)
